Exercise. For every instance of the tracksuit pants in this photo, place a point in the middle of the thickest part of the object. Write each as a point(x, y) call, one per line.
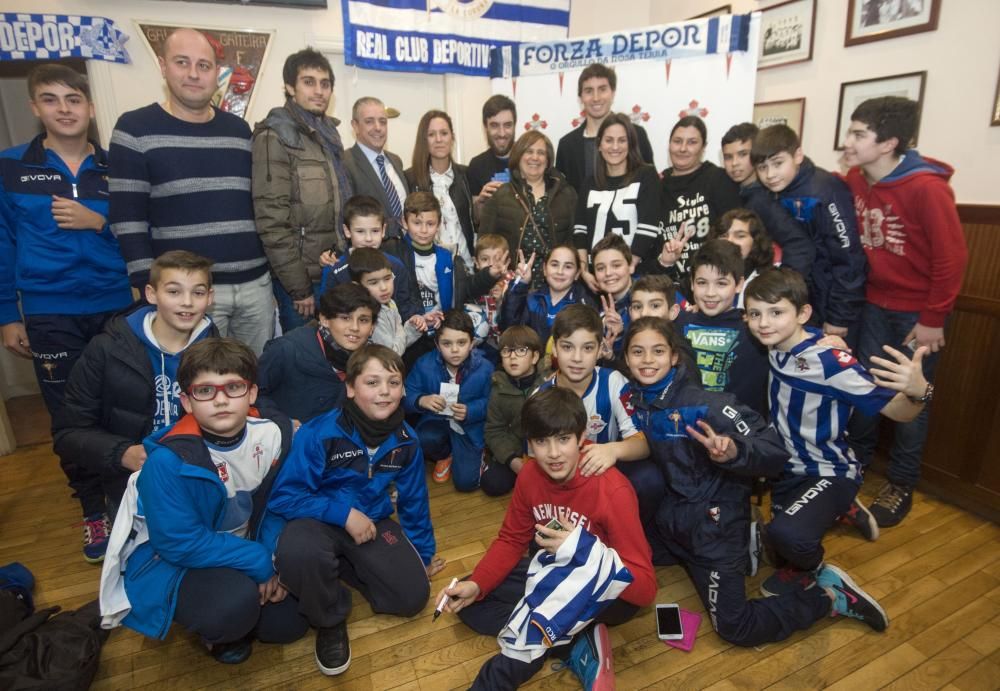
point(313, 557)
point(802, 510)
point(438, 441)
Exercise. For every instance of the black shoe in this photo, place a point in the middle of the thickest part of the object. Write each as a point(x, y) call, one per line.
point(892, 504)
point(333, 649)
point(858, 516)
point(233, 653)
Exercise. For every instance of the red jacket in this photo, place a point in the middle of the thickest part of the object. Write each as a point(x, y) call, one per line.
point(912, 236)
point(605, 505)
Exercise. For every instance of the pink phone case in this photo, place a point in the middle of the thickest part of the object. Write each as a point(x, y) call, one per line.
point(690, 621)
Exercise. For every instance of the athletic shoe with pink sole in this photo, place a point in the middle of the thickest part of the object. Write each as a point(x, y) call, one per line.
point(591, 661)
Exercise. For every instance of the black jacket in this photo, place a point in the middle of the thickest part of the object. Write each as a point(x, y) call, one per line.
point(461, 197)
point(571, 160)
point(707, 508)
point(798, 251)
point(295, 377)
point(110, 400)
point(482, 168)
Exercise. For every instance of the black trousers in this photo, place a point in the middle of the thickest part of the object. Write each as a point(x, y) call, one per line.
point(57, 341)
point(222, 605)
point(313, 557)
point(802, 510)
point(489, 615)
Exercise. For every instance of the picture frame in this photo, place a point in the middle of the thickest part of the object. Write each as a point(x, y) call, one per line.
point(878, 20)
point(791, 112)
point(995, 122)
point(852, 94)
point(722, 9)
point(787, 31)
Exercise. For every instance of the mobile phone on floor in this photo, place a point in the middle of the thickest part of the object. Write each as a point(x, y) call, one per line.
point(668, 623)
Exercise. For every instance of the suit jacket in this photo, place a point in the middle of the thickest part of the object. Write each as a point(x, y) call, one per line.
point(365, 180)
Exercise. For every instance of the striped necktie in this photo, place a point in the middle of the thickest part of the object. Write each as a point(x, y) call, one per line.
point(395, 208)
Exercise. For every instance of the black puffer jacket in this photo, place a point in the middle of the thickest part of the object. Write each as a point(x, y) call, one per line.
point(110, 400)
point(461, 196)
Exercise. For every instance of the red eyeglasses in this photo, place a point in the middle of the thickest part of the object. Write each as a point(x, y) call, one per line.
point(208, 392)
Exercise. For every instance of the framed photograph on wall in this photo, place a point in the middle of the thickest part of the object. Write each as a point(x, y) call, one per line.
point(877, 20)
point(995, 122)
point(853, 94)
point(786, 33)
point(791, 112)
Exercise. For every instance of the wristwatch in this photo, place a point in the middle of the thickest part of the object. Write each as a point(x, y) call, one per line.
point(926, 398)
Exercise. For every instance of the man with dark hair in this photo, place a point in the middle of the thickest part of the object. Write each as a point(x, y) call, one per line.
point(916, 251)
point(577, 150)
point(300, 185)
point(58, 256)
point(180, 180)
point(373, 170)
point(490, 169)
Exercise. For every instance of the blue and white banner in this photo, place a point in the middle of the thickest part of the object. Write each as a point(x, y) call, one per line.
point(445, 35)
point(51, 36)
point(693, 38)
point(705, 67)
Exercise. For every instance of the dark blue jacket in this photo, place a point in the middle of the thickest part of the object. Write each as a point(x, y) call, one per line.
point(535, 308)
point(406, 295)
point(474, 377)
point(296, 378)
point(797, 248)
point(329, 471)
point(184, 503)
point(707, 508)
point(825, 208)
point(55, 271)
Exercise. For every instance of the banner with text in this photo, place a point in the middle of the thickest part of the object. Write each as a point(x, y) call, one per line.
point(440, 36)
point(52, 36)
point(705, 67)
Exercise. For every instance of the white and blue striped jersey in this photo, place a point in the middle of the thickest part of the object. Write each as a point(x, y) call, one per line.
point(813, 390)
point(608, 402)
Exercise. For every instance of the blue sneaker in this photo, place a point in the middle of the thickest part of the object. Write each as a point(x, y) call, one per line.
point(850, 600)
point(590, 659)
point(96, 530)
point(234, 653)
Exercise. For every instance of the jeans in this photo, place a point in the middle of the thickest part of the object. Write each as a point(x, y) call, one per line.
point(887, 327)
point(287, 314)
point(245, 311)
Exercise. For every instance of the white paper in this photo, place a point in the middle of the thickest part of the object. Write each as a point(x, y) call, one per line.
point(449, 392)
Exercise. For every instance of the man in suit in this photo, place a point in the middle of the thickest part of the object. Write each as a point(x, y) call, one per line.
point(373, 170)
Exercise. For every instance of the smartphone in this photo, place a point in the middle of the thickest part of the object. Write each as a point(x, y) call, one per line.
point(554, 524)
point(668, 623)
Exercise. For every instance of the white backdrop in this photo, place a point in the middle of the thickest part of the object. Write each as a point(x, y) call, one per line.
point(718, 87)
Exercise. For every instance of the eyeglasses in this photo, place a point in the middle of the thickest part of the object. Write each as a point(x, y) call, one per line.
point(520, 351)
point(208, 392)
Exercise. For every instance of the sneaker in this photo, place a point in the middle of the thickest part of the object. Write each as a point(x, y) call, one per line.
point(442, 470)
point(861, 518)
point(590, 659)
point(232, 653)
point(787, 580)
point(333, 649)
point(892, 504)
point(850, 600)
point(96, 529)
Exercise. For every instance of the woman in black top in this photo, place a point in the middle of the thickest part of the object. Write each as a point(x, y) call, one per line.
point(534, 211)
point(436, 172)
point(622, 197)
point(693, 190)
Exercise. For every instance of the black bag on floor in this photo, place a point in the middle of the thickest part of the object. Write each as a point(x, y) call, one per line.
point(60, 652)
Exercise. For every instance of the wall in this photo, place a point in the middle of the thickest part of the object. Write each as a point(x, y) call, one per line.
point(961, 58)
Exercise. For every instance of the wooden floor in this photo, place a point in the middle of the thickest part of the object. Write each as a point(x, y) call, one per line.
point(937, 575)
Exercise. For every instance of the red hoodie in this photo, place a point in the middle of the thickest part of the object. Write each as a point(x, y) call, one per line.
point(912, 236)
point(605, 505)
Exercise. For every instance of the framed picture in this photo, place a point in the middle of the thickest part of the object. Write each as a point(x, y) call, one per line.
point(786, 33)
point(877, 20)
point(723, 9)
point(995, 122)
point(853, 94)
point(791, 112)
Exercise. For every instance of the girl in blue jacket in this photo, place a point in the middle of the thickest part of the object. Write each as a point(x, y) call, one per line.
point(710, 447)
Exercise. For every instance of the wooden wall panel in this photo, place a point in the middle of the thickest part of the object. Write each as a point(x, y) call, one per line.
point(962, 455)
